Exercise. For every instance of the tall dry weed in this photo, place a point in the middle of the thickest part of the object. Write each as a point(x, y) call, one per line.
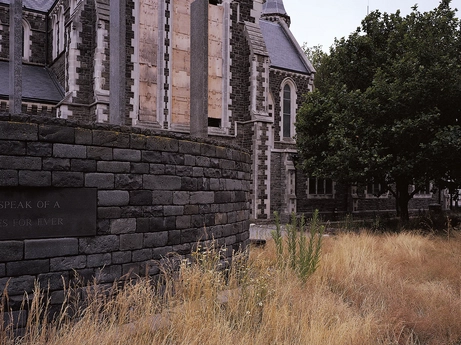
point(368, 289)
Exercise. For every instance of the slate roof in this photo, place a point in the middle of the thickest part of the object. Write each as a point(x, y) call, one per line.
point(37, 84)
point(38, 5)
point(283, 52)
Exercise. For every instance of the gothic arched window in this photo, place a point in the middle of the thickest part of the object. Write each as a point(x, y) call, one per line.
point(288, 100)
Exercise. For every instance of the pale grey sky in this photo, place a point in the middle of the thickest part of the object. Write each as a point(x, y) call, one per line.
point(320, 21)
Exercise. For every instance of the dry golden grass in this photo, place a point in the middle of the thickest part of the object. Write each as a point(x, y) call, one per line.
point(369, 289)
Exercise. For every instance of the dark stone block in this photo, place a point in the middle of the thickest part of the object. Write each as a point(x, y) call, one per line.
point(173, 210)
point(9, 178)
point(142, 225)
point(67, 179)
point(157, 169)
point(162, 252)
point(131, 241)
point(188, 184)
point(183, 222)
point(24, 163)
point(37, 249)
point(99, 153)
point(210, 172)
point(170, 169)
point(215, 163)
point(185, 171)
point(162, 223)
point(17, 148)
point(138, 141)
point(140, 197)
point(99, 260)
point(68, 263)
point(142, 255)
point(60, 134)
point(152, 157)
point(139, 168)
point(127, 155)
point(181, 198)
point(173, 158)
point(162, 182)
point(189, 160)
point(11, 250)
point(128, 181)
point(202, 161)
point(18, 131)
point(111, 139)
point(155, 239)
point(190, 209)
point(100, 180)
point(17, 286)
point(69, 151)
point(190, 147)
point(35, 178)
point(2, 270)
point(162, 144)
point(113, 198)
point(174, 237)
point(83, 165)
point(123, 226)
point(56, 164)
point(100, 244)
point(114, 167)
point(82, 277)
point(182, 249)
point(103, 227)
point(189, 235)
point(21, 268)
point(202, 197)
point(39, 149)
point(108, 274)
point(54, 281)
point(83, 136)
point(121, 257)
point(223, 197)
point(132, 212)
point(153, 211)
point(208, 150)
point(131, 270)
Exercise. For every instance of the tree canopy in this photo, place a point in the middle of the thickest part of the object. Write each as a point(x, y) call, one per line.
point(387, 105)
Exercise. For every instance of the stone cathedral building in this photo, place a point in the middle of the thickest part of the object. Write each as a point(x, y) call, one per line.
point(257, 76)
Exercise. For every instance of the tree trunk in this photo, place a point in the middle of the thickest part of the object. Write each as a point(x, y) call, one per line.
point(402, 199)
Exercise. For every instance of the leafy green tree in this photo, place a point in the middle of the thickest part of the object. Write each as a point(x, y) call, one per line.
point(387, 106)
point(315, 54)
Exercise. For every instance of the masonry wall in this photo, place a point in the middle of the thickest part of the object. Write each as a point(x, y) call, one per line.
point(157, 193)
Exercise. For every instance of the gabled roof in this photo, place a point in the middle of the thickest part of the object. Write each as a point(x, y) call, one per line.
point(37, 5)
point(37, 84)
point(284, 52)
point(256, 39)
point(103, 9)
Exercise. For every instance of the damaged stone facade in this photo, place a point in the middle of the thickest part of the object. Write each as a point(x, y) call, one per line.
point(252, 98)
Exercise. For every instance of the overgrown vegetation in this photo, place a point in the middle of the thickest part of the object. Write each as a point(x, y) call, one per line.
point(302, 253)
point(369, 288)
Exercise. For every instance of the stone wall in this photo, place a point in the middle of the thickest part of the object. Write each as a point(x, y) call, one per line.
point(157, 193)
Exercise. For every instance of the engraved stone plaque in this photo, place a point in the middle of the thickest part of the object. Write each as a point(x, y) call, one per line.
point(47, 212)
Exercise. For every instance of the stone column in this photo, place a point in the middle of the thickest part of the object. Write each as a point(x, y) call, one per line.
point(117, 34)
point(15, 57)
point(199, 69)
